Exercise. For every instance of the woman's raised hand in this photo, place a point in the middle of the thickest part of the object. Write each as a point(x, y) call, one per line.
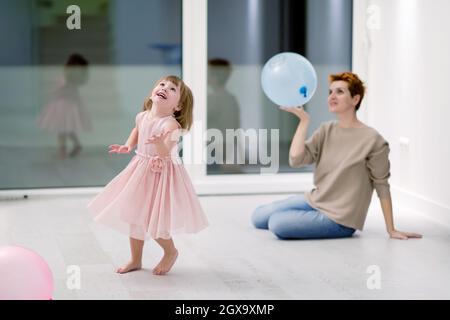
point(299, 112)
point(117, 148)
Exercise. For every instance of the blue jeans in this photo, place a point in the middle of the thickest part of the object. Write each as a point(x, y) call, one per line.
point(294, 218)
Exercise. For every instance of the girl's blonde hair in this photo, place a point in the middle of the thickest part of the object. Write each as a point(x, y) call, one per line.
point(184, 115)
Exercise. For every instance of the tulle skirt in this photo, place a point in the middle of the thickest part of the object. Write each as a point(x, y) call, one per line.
point(64, 116)
point(151, 198)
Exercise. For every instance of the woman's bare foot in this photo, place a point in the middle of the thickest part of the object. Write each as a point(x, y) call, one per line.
point(130, 266)
point(166, 263)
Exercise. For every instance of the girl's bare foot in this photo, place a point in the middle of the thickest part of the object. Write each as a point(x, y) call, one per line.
point(62, 153)
point(130, 266)
point(166, 263)
point(76, 150)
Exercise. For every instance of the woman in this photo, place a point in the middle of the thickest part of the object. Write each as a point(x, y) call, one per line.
point(351, 160)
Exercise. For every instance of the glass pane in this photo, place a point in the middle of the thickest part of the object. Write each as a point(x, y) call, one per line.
point(72, 79)
point(242, 36)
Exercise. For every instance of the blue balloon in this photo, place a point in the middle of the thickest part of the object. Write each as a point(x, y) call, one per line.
point(289, 79)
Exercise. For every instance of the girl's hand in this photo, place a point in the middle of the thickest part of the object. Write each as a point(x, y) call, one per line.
point(168, 137)
point(395, 234)
point(117, 148)
point(158, 139)
point(159, 142)
point(298, 111)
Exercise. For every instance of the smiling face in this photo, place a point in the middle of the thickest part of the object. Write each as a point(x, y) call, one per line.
point(172, 96)
point(166, 94)
point(340, 98)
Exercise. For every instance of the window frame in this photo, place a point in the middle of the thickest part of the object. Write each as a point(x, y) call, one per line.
point(194, 70)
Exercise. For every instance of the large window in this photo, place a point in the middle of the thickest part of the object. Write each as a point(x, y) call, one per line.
point(242, 36)
point(68, 93)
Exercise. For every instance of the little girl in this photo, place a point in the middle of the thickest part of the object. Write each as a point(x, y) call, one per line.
point(153, 196)
point(65, 113)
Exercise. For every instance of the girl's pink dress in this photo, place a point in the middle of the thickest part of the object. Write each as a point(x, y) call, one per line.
point(65, 111)
point(153, 196)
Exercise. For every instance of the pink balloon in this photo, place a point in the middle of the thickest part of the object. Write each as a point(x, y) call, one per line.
point(24, 275)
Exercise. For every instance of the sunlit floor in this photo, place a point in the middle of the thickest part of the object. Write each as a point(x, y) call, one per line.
point(231, 259)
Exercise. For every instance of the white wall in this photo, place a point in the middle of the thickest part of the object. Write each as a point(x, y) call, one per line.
point(402, 50)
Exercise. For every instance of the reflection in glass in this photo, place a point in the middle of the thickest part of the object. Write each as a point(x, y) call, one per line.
point(58, 115)
point(223, 113)
point(65, 114)
point(319, 30)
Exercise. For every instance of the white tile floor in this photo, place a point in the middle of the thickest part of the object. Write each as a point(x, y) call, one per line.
point(231, 259)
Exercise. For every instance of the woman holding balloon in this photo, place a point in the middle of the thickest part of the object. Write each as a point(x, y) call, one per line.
point(351, 161)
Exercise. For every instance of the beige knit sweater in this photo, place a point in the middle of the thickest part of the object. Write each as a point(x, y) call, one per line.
point(350, 163)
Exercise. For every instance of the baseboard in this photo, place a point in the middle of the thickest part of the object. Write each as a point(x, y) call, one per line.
point(253, 184)
point(422, 206)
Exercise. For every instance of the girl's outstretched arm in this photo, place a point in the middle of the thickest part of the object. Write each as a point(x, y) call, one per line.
point(132, 139)
point(128, 146)
point(165, 141)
